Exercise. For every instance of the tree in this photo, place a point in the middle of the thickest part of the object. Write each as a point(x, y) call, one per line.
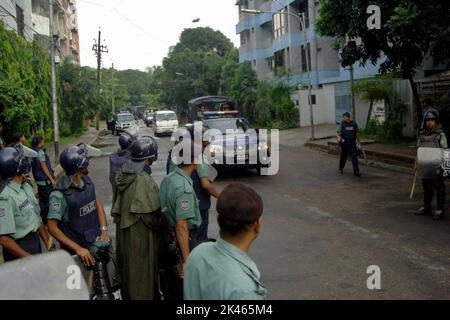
point(80, 96)
point(193, 67)
point(24, 84)
point(243, 88)
point(410, 30)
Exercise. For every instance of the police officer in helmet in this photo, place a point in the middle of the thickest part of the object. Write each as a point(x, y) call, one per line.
point(137, 213)
point(76, 216)
point(118, 159)
point(20, 220)
point(433, 136)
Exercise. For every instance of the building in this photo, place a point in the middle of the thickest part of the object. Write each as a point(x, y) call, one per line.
point(31, 19)
point(274, 45)
point(16, 15)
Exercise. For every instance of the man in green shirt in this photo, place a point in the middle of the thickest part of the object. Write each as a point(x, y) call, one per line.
point(179, 201)
point(20, 221)
point(223, 270)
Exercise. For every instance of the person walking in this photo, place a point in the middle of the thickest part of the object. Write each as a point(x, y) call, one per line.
point(348, 137)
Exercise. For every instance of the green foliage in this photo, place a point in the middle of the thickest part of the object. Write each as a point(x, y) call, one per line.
point(382, 89)
point(24, 84)
point(80, 97)
point(409, 30)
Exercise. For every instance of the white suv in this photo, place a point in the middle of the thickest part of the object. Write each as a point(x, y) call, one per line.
point(164, 122)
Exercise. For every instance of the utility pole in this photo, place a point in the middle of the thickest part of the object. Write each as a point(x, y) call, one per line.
point(53, 85)
point(112, 83)
point(98, 48)
point(353, 92)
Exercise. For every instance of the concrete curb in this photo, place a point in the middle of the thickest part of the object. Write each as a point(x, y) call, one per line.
point(378, 159)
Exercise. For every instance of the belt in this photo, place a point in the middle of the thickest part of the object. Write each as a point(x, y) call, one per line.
point(47, 182)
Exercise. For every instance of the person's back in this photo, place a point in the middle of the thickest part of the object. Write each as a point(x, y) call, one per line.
point(222, 271)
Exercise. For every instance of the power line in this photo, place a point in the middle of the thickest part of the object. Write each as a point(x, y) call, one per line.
point(130, 21)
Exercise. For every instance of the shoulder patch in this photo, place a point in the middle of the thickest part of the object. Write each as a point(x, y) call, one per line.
point(56, 206)
point(185, 205)
point(2, 212)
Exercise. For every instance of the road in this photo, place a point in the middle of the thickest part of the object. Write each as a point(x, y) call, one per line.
point(322, 230)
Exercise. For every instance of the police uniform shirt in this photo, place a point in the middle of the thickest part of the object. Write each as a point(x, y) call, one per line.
point(221, 271)
point(19, 211)
point(178, 196)
point(58, 209)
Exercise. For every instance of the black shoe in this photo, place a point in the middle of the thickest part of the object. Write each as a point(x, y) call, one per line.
point(423, 211)
point(438, 215)
point(358, 174)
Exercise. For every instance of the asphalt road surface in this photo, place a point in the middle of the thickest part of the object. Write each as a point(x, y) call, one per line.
point(322, 230)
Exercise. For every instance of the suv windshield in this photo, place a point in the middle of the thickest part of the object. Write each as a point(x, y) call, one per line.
point(237, 125)
point(125, 117)
point(166, 116)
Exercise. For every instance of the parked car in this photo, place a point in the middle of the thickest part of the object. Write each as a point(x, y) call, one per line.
point(124, 121)
point(164, 122)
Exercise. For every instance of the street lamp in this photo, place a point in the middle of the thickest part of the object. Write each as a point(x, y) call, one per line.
point(302, 21)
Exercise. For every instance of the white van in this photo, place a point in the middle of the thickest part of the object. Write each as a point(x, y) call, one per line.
point(164, 122)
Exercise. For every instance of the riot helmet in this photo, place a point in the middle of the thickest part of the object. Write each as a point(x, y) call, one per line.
point(144, 148)
point(15, 161)
point(126, 140)
point(431, 113)
point(75, 158)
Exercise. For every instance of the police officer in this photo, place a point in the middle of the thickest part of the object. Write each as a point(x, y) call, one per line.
point(203, 188)
point(223, 270)
point(348, 137)
point(181, 203)
point(433, 137)
point(76, 215)
point(137, 213)
point(20, 221)
point(44, 175)
point(118, 159)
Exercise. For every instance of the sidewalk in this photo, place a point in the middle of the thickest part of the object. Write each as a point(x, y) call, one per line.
point(88, 137)
point(396, 157)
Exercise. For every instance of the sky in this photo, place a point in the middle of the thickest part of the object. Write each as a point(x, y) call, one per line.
point(138, 33)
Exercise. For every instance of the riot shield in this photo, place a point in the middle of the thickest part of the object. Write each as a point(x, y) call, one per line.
point(431, 162)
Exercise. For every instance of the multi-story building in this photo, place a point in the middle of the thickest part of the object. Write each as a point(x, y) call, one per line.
point(16, 15)
point(31, 19)
point(274, 45)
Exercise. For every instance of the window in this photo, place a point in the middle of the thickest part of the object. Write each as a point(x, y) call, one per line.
point(304, 68)
point(20, 21)
point(245, 35)
point(279, 59)
point(303, 8)
point(279, 24)
point(313, 99)
point(40, 7)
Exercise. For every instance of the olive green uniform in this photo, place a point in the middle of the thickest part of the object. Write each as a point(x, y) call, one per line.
point(136, 212)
